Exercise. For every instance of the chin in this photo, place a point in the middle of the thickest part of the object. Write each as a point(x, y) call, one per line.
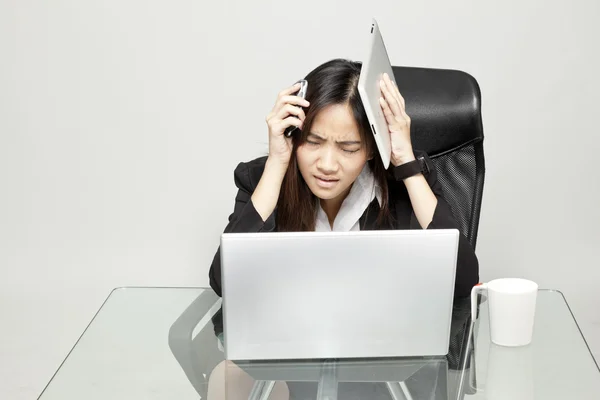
point(326, 195)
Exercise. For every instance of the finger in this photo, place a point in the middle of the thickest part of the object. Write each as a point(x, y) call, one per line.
point(395, 93)
point(391, 100)
point(400, 97)
point(289, 90)
point(289, 109)
point(387, 112)
point(389, 115)
point(407, 118)
point(296, 100)
point(402, 104)
point(393, 87)
point(287, 122)
point(288, 99)
point(285, 92)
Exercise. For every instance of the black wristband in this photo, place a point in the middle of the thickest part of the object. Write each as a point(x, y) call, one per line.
point(411, 168)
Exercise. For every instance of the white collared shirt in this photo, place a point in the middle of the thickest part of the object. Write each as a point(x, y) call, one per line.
point(362, 193)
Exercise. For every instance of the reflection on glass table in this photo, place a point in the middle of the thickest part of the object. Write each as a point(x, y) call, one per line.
point(163, 343)
point(416, 377)
point(557, 364)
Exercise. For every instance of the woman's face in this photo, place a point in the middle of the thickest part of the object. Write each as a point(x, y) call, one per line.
point(333, 154)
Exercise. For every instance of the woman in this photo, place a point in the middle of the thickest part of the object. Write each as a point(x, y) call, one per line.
point(329, 175)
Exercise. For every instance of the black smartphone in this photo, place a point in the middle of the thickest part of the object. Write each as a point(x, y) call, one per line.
point(289, 131)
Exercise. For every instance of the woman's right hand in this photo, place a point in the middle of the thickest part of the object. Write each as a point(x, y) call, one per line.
point(286, 112)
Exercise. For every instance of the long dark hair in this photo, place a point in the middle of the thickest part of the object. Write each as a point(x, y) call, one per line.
point(335, 82)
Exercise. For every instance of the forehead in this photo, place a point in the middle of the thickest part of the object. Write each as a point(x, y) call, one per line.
point(336, 122)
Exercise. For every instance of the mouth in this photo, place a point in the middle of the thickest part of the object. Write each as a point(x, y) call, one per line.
point(326, 182)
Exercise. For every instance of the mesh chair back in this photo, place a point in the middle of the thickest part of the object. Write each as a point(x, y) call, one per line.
point(445, 110)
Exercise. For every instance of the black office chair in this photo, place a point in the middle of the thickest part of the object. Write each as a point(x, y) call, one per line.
point(445, 110)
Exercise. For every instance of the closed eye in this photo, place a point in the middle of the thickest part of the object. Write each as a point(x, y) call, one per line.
point(350, 147)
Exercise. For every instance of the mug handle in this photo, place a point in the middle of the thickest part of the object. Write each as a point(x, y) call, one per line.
point(480, 287)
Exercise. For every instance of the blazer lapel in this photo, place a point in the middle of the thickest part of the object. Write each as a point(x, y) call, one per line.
point(368, 221)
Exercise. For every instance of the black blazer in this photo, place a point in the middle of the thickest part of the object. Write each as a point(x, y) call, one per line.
point(245, 218)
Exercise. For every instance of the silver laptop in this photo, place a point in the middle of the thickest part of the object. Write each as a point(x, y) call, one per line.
point(301, 295)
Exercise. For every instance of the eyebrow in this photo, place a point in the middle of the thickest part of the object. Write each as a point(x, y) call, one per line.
point(343, 143)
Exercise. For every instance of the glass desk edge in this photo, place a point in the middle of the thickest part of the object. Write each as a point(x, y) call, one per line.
point(203, 288)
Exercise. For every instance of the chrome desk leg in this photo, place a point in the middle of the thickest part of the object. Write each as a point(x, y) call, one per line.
point(328, 384)
point(261, 390)
point(256, 390)
point(399, 391)
point(267, 389)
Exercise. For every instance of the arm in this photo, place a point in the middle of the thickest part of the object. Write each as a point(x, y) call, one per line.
point(422, 198)
point(255, 205)
point(253, 211)
point(430, 208)
point(266, 194)
point(467, 265)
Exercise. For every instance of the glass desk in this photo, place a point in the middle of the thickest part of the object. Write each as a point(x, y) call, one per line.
point(163, 343)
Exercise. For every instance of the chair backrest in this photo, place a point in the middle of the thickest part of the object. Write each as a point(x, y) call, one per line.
point(445, 111)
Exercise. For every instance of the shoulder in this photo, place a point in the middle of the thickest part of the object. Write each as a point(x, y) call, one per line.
point(247, 174)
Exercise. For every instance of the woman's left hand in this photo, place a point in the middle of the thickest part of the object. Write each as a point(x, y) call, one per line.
point(392, 104)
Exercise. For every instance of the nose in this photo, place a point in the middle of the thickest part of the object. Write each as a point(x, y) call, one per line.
point(327, 163)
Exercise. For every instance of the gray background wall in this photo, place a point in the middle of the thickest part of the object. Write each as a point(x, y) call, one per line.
point(121, 123)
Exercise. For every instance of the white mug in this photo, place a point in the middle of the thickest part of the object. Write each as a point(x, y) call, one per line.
point(511, 309)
